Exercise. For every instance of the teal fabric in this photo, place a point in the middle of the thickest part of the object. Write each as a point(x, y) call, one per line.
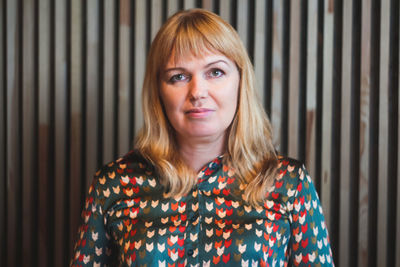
point(128, 221)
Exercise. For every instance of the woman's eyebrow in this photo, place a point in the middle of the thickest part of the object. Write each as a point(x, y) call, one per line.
point(174, 69)
point(215, 62)
point(206, 66)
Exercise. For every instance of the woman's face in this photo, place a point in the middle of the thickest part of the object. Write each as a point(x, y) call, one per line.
point(200, 94)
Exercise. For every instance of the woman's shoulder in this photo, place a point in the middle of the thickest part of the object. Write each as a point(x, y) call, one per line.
point(291, 173)
point(125, 171)
point(289, 165)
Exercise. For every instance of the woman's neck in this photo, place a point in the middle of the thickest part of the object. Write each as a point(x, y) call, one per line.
point(198, 152)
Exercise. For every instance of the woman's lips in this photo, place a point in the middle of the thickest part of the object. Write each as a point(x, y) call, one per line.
point(199, 112)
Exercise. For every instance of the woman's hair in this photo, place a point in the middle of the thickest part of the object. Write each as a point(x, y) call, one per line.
point(250, 151)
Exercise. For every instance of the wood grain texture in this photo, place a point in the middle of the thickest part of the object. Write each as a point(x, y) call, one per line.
point(109, 96)
point(364, 134)
point(13, 133)
point(124, 76)
point(77, 177)
point(345, 136)
point(28, 128)
point(60, 135)
point(384, 131)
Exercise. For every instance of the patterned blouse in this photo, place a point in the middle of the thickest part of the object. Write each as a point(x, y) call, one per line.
point(128, 221)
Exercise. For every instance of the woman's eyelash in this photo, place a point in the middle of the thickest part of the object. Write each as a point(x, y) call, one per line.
point(177, 78)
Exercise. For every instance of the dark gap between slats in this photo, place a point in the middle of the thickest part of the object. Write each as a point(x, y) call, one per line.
point(180, 5)
point(354, 170)
point(336, 128)
point(35, 165)
point(250, 29)
point(116, 78)
point(233, 10)
point(164, 10)
point(83, 102)
point(285, 77)
point(373, 142)
point(67, 205)
point(319, 97)
point(148, 23)
point(216, 6)
point(302, 116)
point(132, 70)
point(100, 77)
point(199, 3)
point(51, 148)
point(268, 57)
point(4, 233)
point(393, 144)
point(19, 136)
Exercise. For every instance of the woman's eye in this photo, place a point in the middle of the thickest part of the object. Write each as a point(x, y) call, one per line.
point(216, 73)
point(177, 78)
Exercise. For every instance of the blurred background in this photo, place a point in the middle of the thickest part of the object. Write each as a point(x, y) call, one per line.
point(70, 83)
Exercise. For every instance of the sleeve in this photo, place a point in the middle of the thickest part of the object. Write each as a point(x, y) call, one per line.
point(309, 242)
point(93, 246)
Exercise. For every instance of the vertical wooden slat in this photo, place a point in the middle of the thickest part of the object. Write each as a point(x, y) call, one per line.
point(225, 9)
point(354, 160)
point(60, 133)
point(345, 143)
point(156, 14)
point(13, 132)
point(311, 50)
point(76, 131)
point(292, 100)
point(140, 59)
point(392, 165)
point(326, 109)
point(373, 152)
point(124, 76)
point(44, 121)
point(3, 131)
point(173, 6)
point(276, 92)
point(28, 153)
point(243, 21)
point(259, 47)
point(364, 134)
point(187, 4)
point(92, 90)
point(109, 90)
point(384, 133)
point(208, 4)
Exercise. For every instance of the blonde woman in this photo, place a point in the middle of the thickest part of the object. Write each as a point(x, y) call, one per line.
point(204, 185)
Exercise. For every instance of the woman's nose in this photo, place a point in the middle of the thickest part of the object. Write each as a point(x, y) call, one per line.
point(198, 88)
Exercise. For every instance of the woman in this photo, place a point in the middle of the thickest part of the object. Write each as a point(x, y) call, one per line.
point(203, 186)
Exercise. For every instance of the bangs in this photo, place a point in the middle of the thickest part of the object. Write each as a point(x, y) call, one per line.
point(197, 35)
point(189, 41)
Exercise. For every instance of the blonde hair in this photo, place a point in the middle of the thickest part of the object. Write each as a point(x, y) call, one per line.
point(249, 143)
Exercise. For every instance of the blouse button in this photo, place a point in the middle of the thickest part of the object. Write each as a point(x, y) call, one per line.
point(190, 252)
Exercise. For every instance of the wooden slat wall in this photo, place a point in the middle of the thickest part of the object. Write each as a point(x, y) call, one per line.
point(70, 84)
